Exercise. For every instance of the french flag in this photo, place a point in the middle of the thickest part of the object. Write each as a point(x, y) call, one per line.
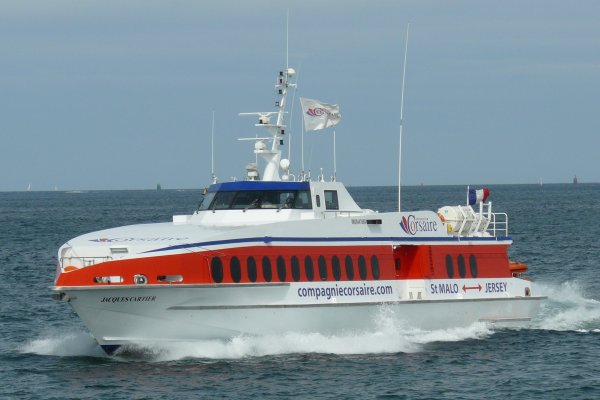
point(478, 196)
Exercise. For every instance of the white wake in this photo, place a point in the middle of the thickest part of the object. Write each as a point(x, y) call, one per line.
point(566, 309)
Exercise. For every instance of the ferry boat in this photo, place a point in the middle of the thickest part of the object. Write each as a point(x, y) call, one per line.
point(274, 253)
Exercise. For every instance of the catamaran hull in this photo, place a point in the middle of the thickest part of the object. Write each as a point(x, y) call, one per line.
point(152, 315)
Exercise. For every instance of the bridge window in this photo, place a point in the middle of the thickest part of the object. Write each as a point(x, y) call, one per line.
point(349, 268)
point(247, 199)
point(251, 265)
point(362, 267)
point(281, 272)
point(473, 265)
point(295, 268)
point(222, 200)
point(335, 268)
point(250, 199)
point(216, 269)
point(236, 269)
point(266, 267)
point(331, 200)
point(206, 200)
point(308, 266)
point(302, 200)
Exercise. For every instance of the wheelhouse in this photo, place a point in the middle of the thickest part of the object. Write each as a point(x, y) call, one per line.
point(257, 195)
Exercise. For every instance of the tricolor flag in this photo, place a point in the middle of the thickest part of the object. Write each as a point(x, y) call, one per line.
point(478, 196)
point(318, 115)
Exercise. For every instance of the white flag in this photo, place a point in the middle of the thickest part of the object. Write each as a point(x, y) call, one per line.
point(319, 115)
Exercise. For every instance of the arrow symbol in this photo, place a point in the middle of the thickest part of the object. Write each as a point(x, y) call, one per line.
point(465, 287)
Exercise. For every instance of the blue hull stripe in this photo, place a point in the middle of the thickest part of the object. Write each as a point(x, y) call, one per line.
point(269, 239)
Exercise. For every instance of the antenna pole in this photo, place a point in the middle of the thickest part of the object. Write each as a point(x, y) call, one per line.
point(287, 39)
point(212, 150)
point(334, 160)
point(402, 122)
point(302, 119)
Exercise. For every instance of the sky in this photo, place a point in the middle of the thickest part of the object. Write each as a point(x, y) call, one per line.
point(119, 95)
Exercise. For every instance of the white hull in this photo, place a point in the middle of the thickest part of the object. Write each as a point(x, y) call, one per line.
point(137, 315)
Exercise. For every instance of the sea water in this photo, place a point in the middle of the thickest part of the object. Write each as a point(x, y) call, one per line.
point(46, 352)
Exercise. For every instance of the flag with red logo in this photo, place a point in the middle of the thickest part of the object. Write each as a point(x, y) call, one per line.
point(319, 115)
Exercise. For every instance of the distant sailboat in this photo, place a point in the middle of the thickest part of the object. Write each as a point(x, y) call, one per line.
point(158, 187)
point(29, 187)
point(575, 180)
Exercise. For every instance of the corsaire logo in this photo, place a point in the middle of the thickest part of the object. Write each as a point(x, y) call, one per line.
point(317, 112)
point(412, 225)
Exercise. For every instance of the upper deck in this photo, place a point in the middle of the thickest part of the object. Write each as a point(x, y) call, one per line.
point(261, 202)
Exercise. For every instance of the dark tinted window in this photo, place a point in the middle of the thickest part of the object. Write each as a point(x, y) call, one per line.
point(295, 268)
point(362, 267)
point(266, 267)
point(302, 200)
point(473, 265)
point(318, 200)
point(449, 266)
point(206, 200)
point(375, 267)
point(322, 268)
point(251, 264)
point(331, 200)
point(308, 266)
point(222, 200)
point(235, 269)
point(216, 269)
point(247, 199)
point(349, 268)
point(462, 268)
point(281, 272)
point(335, 268)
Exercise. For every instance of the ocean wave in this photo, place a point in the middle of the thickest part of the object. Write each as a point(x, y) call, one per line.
point(567, 309)
point(64, 344)
point(388, 335)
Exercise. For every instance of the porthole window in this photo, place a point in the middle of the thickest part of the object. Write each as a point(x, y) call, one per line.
point(322, 268)
point(362, 267)
point(375, 266)
point(349, 268)
point(308, 266)
point(251, 265)
point(335, 268)
point(236, 269)
point(473, 265)
point(281, 272)
point(449, 266)
point(462, 268)
point(295, 268)
point(266, 267)
point(216, 269)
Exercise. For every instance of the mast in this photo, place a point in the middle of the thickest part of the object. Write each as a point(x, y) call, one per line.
point(276, 130)
point(402, 122)
point(213, 177)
